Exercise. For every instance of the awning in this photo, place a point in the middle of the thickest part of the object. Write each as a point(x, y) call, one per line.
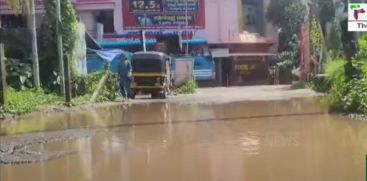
point(127, 43)
point(252, 54)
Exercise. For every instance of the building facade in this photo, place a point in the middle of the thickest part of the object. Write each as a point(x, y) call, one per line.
point(214, 20)
point(237, 26)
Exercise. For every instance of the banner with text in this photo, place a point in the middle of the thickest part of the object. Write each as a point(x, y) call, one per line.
point(163, 14)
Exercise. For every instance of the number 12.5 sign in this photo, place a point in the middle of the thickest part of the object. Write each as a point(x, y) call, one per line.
point(137, 6)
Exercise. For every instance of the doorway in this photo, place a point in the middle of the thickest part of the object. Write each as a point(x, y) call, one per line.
point(226, 65)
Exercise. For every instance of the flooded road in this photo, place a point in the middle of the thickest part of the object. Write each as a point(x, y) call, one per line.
point(279, 140)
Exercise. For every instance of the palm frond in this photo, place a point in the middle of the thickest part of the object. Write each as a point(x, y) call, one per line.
point(19, 6)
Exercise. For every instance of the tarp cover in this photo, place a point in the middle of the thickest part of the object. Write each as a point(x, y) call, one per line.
point(111, 57)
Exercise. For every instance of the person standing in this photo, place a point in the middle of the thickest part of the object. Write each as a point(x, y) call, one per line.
point(125, 77)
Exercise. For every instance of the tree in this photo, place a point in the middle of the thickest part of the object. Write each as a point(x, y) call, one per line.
point(18, 5)
point(29, 7)
point(324, 10)
point(69, 25)
point(288, 15)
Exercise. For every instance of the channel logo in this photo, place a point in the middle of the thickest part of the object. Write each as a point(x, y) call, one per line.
point(357, 10)
point(357, 17)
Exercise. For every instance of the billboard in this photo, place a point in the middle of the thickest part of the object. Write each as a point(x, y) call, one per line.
point(163, 14)
point(92, 1)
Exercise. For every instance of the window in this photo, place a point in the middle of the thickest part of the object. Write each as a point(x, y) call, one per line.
point(13, 21)
point(106, 18)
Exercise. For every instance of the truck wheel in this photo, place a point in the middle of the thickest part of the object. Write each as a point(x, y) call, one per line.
point(163, 94)
point(132, 96)
point(154, 95)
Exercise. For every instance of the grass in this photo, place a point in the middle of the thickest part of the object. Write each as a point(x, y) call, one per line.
point(77, 101)
point(22, 102)
point(188, 87)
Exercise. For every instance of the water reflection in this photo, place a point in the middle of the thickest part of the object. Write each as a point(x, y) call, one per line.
point(201, 142)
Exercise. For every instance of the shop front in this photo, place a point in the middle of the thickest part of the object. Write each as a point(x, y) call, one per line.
point(250, 69)
point(244, 64)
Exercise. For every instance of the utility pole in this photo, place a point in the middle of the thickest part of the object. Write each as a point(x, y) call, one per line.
point(187, 27)
point(3, 85)
point(32, 25)
point(144, 41)
point(143, 32)
point(67, 82)
point(59, 47)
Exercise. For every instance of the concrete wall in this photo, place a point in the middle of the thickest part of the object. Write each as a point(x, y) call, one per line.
point(222, 23)
point(88, 19)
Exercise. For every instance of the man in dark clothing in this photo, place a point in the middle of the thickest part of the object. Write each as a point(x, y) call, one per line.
point(125, 76)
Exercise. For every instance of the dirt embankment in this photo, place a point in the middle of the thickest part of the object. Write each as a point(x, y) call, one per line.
point(203, 96)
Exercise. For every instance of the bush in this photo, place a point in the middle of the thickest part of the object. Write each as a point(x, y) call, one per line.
point(21, 102)
point(321, 83)
point(336, 75)
point(335, 69)
point(81, 100)
point(19, 74)
point(86, 85)
point(188, 87)
point(349, 95)
point(355, 99)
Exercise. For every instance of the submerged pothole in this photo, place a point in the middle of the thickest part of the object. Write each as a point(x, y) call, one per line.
point(18, 149)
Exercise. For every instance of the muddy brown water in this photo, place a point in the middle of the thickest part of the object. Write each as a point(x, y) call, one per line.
point(255, 141)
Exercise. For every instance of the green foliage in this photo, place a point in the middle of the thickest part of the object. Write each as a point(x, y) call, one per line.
point(19, 74)
point(287, 15)
point(19, 5)
point(315, 37)
point(334, 42)
point(362, 47)
point(350, 94)
point(335, 69)
point(288, 59)
point(21, 102)
point(48, 41)
point(355, 99)
point(189, 87)
point(325, 10)
point(69, 25)
point(321, 84)
point(87, 84)
point(336, 75)
point(81, 100)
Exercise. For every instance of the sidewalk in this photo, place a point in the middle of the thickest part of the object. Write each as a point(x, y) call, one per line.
point(236, 94)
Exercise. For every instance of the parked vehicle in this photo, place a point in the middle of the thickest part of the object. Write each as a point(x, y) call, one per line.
point(151, 74)
point(198, 51)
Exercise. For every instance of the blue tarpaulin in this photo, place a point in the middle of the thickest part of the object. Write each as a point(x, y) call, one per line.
point(111, 57)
